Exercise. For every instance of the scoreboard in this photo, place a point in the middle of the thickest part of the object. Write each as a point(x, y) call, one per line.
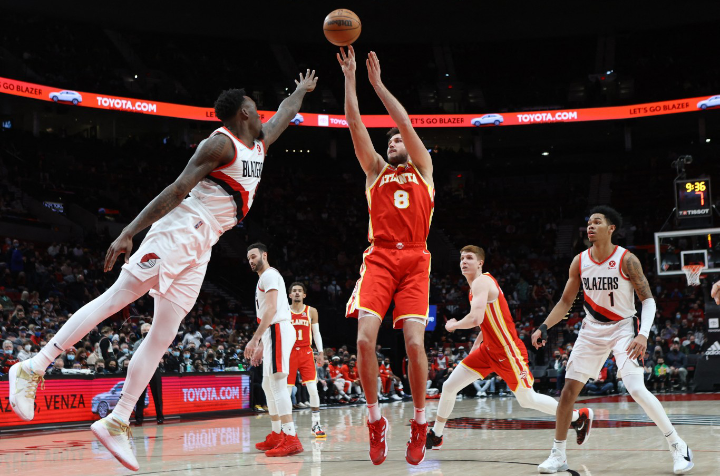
point(693, 198)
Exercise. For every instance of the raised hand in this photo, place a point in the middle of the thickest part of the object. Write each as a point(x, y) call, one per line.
point(373, 66)
point(347, 61)
point(307, 82)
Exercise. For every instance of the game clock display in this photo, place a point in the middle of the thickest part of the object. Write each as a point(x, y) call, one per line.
point(693, 198)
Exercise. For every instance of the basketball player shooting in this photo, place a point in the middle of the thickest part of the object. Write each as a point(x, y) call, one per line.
point(608, 275)
point(221, 179)
point(396, 266)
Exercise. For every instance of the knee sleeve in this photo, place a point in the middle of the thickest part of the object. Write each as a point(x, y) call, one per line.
point(635, 385)
point(314, 396)
point(279, 389)
point(528, 398)
point(272, 409)
point(459, 379)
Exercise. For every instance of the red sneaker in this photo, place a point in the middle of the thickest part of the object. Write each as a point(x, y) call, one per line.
point(415, 452)
point(289, 445)
point(271, 441)
point(378, 440)
point(583, 425)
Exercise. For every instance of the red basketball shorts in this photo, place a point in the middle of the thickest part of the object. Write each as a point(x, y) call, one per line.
point(302, 359)
point(509, 362)
point(388, 274)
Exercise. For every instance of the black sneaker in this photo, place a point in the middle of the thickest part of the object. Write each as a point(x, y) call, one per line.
point(583, 425)
point(433, 442)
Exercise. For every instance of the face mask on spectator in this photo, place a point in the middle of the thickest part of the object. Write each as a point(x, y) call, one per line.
point(27, 348)
point(99, 369)
point(125, 351)
point(176, 354)
point(38, 334)
point(8, 351)
point(187, 356)
point(71, 357)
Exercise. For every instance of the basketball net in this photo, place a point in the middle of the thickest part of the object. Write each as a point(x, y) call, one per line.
point(692, 272)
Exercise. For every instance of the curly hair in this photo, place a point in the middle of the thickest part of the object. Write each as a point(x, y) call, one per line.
point(392, 132)
point(612, 216)
point(228, 103)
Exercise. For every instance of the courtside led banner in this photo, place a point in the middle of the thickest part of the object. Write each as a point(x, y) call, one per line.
point(84, 398)
point(115, 103)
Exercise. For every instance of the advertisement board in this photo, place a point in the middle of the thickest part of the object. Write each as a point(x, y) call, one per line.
point(180, 111)
point(67, 399)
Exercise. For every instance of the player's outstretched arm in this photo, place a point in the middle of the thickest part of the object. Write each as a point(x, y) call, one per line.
point(315, 326)
point(572, 287)
point(289, 108)
point(480, 291)
point(370, 161)
point(414, 145)
point(210, 154)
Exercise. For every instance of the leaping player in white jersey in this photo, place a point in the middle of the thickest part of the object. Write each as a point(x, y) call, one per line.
point(221, 179)
point(608, 275)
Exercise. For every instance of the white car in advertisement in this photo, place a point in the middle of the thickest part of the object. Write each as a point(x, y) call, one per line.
point(298, 119)
point(66, 96)
point(496, 119)
point(709, 102)
point(104, 403)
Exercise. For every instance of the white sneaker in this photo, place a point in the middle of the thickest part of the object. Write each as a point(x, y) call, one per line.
point(482, 394)
point(395, 397)
point(682, 457)
point(23, 388)
point(117, 438)
point(555, 462)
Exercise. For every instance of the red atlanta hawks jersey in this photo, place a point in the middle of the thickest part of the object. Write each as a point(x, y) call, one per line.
point(401, 205)
point(301, 322)
point(228, 191)
point(609, 294)
point(498, 328)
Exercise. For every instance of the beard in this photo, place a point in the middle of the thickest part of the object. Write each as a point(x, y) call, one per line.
point(261, 135)
point(398, 158)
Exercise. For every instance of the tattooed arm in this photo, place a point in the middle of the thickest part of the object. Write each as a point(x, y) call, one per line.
point(633, 269)
point(288, 108)
point(210, 154)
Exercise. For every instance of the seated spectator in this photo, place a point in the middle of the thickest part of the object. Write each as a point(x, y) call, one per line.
point(661, 374)
point(99, 367)
point(57, 366)
point(677, 362)
point(690, 346)
point(112, 366)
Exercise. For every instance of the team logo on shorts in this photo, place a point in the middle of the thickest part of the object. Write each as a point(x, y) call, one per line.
point(522, 374)
point(612, 264)
point(148, 261)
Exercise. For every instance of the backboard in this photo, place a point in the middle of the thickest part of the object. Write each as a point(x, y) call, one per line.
point(675, 249)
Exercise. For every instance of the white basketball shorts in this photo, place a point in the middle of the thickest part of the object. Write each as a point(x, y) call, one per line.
point(176, 252)
point(593, 345)
point(278, 341)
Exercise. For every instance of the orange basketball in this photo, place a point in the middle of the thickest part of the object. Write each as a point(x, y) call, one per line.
point(342, 27)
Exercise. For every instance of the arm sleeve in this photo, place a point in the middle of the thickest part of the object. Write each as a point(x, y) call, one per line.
point(317, 338)
point(647, 316)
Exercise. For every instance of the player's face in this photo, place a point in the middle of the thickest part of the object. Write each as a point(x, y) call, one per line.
point(297, 294)
point(256, 259)
point(469, 263)
point(598, 228)
point(254, 120)
point(397, 154)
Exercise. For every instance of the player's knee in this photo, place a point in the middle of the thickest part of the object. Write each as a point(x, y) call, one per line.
point(365, 344)
point(415, 348)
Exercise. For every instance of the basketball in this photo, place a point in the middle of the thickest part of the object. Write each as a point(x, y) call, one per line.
point(342, 27)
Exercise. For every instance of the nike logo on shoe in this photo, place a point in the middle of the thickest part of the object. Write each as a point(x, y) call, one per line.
point(687, 451)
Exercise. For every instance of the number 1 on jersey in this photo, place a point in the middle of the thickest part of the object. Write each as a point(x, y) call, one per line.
point(299, 334)
point(612, 299)
point(402, 199)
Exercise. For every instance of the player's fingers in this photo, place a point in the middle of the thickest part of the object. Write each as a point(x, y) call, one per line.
point(351, 51)
point(297, 83)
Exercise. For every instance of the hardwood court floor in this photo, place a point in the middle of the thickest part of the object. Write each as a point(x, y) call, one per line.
point(491, 436)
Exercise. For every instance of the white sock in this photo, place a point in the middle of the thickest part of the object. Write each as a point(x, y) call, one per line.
point(438, 427)
point(276, 426)
point(576, 415)
point(288, 428)
point(118, 418)
point(316, 417)
point(125, 407)
point(373, 412)
point(420, 416)
point(560, 445)
point(672, 437)
point(35, 368)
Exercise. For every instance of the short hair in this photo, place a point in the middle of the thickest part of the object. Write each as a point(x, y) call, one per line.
point(259, 246)
point(105, 330)
point(298, 283)
point(392, 132)
point(612, 216)
point(476, 250)
point(228, 103)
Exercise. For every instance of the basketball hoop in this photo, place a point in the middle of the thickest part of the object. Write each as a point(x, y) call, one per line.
point(693, 271)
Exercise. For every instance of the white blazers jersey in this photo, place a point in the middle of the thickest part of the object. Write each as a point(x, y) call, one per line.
point(269, 280)
point(609, 294)
point(228, 191)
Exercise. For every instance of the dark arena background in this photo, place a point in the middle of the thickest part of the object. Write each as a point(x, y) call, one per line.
point(532, 115)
